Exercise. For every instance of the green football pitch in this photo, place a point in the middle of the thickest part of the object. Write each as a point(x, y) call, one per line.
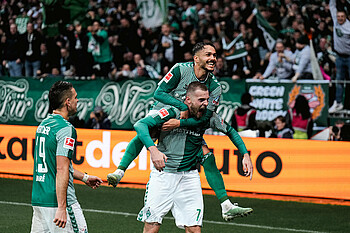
point(114, 210)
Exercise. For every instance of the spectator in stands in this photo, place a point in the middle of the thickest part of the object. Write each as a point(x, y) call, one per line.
point(341, 37)
point(280, 64)
point(128, 35)
point(32, 40)
point(44, 61)
point(125, 72)
point(13, 52)
point(302, 63)
point(98, 119)
point(78, 48)
point(118, 51)
point(221, 68)
point(339, 132)
point(326, 58)
point(99, 47)
point(280, 129)
point(244, 116)
point(299, 118)
point(66, 65)
point(169, 45)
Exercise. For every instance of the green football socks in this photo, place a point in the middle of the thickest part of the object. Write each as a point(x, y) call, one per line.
point(214, 177)
point(131, 152)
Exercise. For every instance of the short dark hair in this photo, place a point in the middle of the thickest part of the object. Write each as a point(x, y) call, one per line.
point(246, 98)
point(200, 46)
point(281, 118)
point(193, 86)
point(59, 91)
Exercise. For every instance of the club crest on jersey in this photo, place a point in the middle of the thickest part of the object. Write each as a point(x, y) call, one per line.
point(216, 100)
point(69, 143)
point(168, 77)
point(163, 113)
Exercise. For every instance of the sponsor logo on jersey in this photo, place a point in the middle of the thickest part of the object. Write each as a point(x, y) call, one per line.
point(163, 113)
point(168, 77)
point(216, 100)
point(69, 143)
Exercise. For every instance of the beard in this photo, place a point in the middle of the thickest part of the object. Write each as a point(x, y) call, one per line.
point(197, 112)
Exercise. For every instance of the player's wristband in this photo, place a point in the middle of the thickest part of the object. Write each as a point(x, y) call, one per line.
point(85, 178)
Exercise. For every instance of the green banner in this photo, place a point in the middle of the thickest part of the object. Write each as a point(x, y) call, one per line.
point(274, 98)
point(24, 101)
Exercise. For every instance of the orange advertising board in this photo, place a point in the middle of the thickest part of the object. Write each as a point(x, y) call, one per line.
point(281, 166)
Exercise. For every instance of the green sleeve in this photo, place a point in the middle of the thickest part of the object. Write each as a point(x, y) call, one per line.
point(165, 98)
point(168, 84)
point(236, 140)
point(193, 122)
point(142, 126)
point(216, 122)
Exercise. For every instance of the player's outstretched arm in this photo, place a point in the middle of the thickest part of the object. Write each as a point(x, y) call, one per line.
point(91, 181)
point(190, 122)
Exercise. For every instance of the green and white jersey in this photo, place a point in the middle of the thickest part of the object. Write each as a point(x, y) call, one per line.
point(183, 145)
point(55, 136)
point(172, 90)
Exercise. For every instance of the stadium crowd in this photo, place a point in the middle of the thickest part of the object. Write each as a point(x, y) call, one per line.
point(128, 49)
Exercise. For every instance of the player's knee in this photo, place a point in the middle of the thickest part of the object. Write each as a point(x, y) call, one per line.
point(193, 229)
point(151, 227)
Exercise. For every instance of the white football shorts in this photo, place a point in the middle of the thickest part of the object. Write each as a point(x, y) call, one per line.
point(179, 192)
point(43, 220)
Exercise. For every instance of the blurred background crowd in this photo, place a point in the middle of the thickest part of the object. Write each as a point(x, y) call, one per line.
point(129, 49)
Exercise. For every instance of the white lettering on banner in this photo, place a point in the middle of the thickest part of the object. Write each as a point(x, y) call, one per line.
point(122, 103)
point(267, 103)
point(104, 146)
point(117, 153)
point(266, 91)
point(14, 102)
point(269, 115)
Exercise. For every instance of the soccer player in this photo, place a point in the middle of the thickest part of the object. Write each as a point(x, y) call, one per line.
point(172, 91)
point(177, 187)
point(53, 194)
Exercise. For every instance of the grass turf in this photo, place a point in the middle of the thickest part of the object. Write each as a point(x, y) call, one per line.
point(268, 216)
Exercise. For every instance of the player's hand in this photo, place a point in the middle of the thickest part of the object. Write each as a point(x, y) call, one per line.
point(60, 217)
point(170, 124)
point(184, 114)
point(93, 182)
point(158, 158)
point(247, 166)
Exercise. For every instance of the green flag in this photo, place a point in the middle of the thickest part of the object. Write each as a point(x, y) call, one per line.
point(58, 13)
point(270, 34)
point(153, 12)
point(235, 49)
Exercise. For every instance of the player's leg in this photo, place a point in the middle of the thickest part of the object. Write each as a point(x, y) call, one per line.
point(158, 199)
point(152, 227)
point(131, 152)
point(193, 229)
point(77, 219)
point(38, 221)
point(216, 182)
point(188, 202)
